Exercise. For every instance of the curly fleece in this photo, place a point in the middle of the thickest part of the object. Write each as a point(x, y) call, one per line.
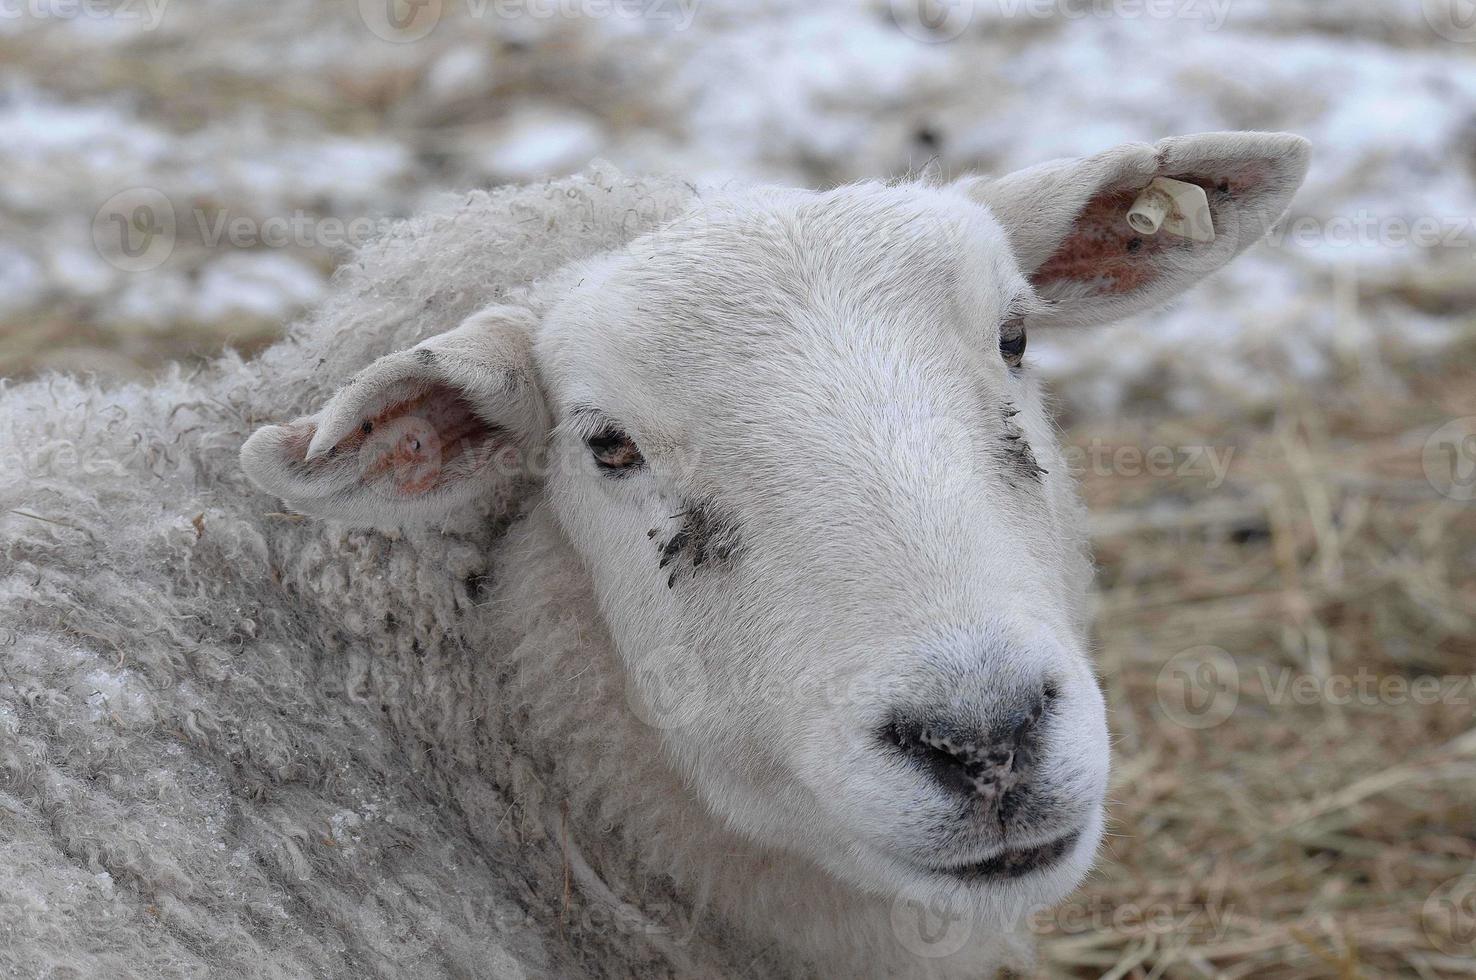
point(237, 743)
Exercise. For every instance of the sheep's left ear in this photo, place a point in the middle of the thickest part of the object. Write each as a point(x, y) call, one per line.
point(417, 434)
point(1068, 219)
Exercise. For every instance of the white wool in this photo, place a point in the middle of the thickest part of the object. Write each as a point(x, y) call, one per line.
point(244, 742)
point(245, 745)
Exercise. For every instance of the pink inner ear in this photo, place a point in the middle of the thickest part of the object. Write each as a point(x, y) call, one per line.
point(1103, 251)
point(422, 443)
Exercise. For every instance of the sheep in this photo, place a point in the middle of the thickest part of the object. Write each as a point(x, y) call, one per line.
point(613, 577)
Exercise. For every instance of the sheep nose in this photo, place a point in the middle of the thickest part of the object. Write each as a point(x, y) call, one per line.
point(968, 757)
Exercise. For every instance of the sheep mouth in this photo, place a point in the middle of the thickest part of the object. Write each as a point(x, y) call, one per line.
point(1015, 863)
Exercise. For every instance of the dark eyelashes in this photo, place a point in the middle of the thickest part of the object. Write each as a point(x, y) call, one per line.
point(614, 450)
point(1012, 340)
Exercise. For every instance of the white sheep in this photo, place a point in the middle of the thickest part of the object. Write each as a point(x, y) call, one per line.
point(700, 593)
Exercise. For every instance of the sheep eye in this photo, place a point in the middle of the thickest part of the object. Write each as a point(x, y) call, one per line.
point(614, 450)
point(1012, 340)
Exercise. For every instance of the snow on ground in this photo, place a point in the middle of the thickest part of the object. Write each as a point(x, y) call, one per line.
point(268, 138)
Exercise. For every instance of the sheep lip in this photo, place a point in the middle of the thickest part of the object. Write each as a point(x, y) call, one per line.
point(1014, 863)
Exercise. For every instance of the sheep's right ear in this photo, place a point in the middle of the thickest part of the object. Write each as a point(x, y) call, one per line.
point(1127, 230)
point(415, 435)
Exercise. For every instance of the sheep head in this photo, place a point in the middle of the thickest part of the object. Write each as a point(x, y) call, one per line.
point(797, 445)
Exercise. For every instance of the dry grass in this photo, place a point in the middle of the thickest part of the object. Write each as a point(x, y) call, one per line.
point(1322, 829)
point(72, 344)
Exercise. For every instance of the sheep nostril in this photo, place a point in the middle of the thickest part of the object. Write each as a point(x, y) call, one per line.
point(968, 756)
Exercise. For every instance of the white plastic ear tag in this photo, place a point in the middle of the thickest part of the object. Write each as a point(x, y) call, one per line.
point(1175, 206)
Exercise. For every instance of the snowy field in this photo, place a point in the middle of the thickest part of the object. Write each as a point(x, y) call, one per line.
point(260, 140)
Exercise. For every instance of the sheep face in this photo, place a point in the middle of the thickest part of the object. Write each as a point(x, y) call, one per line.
point(796, 444)
point(812, 478)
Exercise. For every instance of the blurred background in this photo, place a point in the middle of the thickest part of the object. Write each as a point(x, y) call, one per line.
point(1280, 468)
